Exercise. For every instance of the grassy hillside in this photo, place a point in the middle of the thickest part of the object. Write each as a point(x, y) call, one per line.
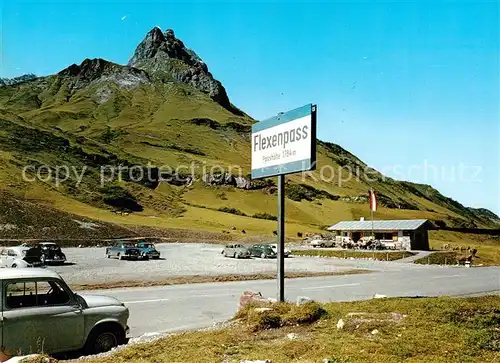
point(177, 126)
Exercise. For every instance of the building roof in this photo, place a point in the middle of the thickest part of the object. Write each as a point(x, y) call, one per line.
point(380, 225)
point(27, 273)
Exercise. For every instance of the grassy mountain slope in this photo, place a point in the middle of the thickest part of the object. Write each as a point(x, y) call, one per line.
point(103, 114)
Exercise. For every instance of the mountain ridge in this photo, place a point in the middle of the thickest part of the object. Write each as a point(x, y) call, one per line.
point(20, 79)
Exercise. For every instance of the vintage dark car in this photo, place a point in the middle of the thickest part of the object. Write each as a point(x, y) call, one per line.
point(236, 251)
point(124, 251)
point(149, 249)
point(262, 251)
point(51, 253)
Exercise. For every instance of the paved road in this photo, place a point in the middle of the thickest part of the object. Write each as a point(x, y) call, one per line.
point(184, 307)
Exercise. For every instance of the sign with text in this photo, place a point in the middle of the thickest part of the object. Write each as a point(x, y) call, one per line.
point(285, 143)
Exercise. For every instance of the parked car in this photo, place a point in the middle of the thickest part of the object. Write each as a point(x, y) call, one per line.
point(125, 250)
point(149, 249)
point(51, 253)
point(20, 257)
point(275, 249)
point(322, 243)
point(39, 312)
point(236, 251)
point(262, 251)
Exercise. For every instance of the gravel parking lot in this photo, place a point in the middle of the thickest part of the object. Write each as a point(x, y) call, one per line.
point(90, 265)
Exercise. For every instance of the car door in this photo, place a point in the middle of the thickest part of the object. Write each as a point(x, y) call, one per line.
point(3, 258)
point(40, 315)
point(252, 251)
point(11, 257)
point(120, 250)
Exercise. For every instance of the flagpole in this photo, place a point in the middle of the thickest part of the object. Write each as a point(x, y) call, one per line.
point(371, 211)
point(373, 236)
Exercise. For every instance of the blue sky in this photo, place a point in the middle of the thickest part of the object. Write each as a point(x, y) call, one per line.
point(412, 88)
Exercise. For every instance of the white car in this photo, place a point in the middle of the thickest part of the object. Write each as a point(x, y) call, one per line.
point(40, 313)
point(19, 257)
point(322, 243)
point(275, 249)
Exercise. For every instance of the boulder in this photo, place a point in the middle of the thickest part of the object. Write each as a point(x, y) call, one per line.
point(303, 300)
point(363, 320)
point(249, 297)
point(340, 324)
point(262, 310)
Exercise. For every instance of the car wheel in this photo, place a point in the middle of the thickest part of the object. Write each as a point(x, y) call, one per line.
point(263, 255)
point(322, 245)
point(109, 256)
point(235, 255)
point(119, 257)
point(103, 339)
point(14, 265)
point(43, 260)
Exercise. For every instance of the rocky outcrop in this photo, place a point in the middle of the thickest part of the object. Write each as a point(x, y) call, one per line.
point(166, 57)
point(485, 214)
point(240, 182)
point(166, 44)
point(92, 70)
point(16, 80)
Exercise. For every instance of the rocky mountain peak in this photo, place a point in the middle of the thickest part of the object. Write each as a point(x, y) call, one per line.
point(158, 44)
point(164, 56)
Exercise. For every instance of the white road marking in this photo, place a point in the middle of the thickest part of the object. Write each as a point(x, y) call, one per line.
point(445, 277)
point(328, 286)
point(145, 301)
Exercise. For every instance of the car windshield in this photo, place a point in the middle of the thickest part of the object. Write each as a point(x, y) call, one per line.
point(128, 245)
point(147, 245)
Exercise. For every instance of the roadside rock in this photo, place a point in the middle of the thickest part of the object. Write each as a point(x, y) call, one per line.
point(371, 321)
point(31, 357)
point(340, 324)
point(262, 310)
point(249, 297)
point(301, 300)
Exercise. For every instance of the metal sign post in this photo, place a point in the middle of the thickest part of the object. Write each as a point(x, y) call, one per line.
point(281, 238)
point(282, 145)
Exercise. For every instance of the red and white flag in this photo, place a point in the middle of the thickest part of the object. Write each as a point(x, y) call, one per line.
point(373, 201)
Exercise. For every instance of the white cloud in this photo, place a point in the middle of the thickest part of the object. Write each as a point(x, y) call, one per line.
point(124, 17)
